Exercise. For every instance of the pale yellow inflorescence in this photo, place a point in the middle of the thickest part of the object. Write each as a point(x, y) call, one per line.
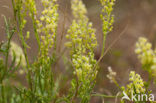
point(146, 55)
point(84, 66)
point(16, 50)
point(111, 75)
point(48, 25)
point(78, 9)
point(106, 16)
point(144, 51)
point(82, 42)
point(136, 84)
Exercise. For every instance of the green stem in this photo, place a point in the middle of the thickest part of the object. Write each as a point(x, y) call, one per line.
point(3, 97)
point(13, 4)
point(7, 49)
point(26, 57)
point(103, 44)
point(2, 89)
point(25, 51)
point(116, 83)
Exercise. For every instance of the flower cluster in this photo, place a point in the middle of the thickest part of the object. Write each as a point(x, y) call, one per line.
point(81, 33)
point(78, 9)
point(82, 41)
point(82, 44)
point(107, 17)
point(84, 65)
point(16, 50)
point(137, 84)
point(144, 51)
point(146, 54)
point(111, 75)
point(31, 6)
point(48, 25)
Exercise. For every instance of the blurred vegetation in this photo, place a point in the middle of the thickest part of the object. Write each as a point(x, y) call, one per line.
point(36, 67)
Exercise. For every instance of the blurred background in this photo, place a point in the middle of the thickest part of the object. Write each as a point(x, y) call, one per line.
point(133, 19)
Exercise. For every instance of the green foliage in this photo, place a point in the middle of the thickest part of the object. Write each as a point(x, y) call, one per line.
point(41, 85)
point(5, 70)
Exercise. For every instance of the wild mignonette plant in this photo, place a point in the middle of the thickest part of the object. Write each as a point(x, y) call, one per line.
point(41, 83)
point(137, 88)
point(39, 74)
point(82, 44)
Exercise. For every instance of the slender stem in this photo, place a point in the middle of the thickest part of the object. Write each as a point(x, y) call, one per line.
point(116, 83)
point(3, 93)
point(20, 33)
point(76, 91)
point(103, 44)
point(105, 96)
point(26, 57)
point(7, 49)
point(13, 4)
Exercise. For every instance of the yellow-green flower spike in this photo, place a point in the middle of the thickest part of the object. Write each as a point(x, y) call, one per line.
point(78, 9)
point(146, 54)
point(144, 51)
point(136, 84)
point(82, 40)
point(107, 18)
point(48, 25)
point(106, 15)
